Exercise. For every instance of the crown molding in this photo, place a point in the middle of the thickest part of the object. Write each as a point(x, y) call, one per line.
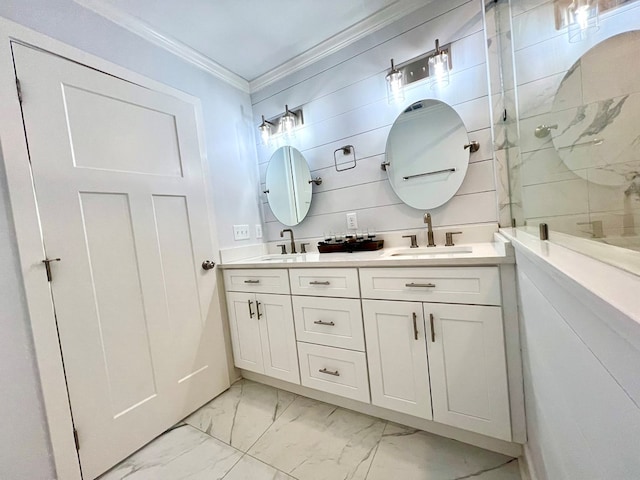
point(178, 48)
point(375, 22)
point(348, 36)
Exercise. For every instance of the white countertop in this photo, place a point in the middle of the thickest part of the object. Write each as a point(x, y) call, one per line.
point(500, 251)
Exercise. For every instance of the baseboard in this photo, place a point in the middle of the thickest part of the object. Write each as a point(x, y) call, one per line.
point(527, 470)
point(499, 446)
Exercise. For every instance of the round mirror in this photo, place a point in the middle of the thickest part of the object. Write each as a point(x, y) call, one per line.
point(426, 155)
point(288, 186)
point(596, 113)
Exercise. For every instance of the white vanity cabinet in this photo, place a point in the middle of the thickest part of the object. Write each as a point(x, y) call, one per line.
point(449, 356)
point(261, 324)
point(328, 318)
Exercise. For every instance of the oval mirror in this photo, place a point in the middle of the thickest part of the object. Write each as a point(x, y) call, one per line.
point(596, 113)
point(426, 156)
point(288, 185)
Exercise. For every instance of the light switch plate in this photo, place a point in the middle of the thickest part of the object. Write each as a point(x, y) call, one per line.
point(258, 230)
point(241, 232)
point(352, 221)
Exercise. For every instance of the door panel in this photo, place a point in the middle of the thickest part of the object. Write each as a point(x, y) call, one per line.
point(468, 369)
point(154, 151)
point(118, 179)
point(119, 310)
point(398, 368)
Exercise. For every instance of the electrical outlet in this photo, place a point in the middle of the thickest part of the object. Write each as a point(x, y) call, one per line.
point(352, 221)
point(258, 230)
point(241, 232)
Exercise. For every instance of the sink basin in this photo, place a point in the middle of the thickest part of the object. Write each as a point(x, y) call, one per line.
point(430, 251)
point(278, 257)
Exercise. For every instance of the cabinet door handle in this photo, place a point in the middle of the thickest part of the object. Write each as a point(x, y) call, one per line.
point(258, 309)
point(320, 322)
point(250, 311)
point(252, 281)
point(433, 332)
point(423, 285)
point(329, 372)
point(316, 282)
point(415, 326)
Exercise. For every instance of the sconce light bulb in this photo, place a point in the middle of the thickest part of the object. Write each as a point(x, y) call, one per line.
point(395, 85)
point(583, 19)
point(439, 69)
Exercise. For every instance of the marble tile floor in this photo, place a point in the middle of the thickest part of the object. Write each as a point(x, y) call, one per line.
point(256, 432)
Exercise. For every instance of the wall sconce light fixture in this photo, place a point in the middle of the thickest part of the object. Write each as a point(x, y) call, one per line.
point(581, 17)
point(284, 125)
point(434, 65)
point(395, 86)
point(439, 67)
point(266, 131)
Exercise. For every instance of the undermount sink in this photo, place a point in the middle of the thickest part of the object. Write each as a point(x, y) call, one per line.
point(429, 251)
point(278, 257)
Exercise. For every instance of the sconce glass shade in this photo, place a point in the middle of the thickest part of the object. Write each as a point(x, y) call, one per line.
point(265, 131)
point(288, 122)
point(582, 16)
point(395, 85)
point(439, 68)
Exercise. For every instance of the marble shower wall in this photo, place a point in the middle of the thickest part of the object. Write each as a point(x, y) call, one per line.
point(548, 182)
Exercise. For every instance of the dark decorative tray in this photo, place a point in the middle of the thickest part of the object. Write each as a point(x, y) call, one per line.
point(350, 245)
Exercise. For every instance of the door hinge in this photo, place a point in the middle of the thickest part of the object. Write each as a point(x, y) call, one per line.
point(19, 89)
point(75, 439)
point(47, 265)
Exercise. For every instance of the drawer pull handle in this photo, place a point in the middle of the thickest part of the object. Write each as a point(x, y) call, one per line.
point(252, 281)
point(329, 372)
point(424, 285)
point(433, 332)
point(415, 326)
point(250, 311)
point(316, 282)
point(258, 309)
point(320, 322)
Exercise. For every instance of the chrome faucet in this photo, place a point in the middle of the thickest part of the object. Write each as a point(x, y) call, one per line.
point(427, 220)
point(293, 243)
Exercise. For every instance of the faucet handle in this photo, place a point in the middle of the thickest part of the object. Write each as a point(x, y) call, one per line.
point(303, 248)
point(414, 242)
point(449, 238)
point(283, 249)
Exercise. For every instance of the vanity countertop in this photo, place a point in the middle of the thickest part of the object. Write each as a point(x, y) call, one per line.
point(500, 251)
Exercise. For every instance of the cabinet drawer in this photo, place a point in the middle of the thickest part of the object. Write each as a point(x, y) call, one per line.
point(333, 370)
point(335, 322)
point(473, 285)
point(258, 280)
point(325, 282)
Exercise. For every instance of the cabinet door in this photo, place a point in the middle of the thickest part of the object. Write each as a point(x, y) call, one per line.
point(468, 368)
point(277, 334)
point(397, 356)
point(245, 332)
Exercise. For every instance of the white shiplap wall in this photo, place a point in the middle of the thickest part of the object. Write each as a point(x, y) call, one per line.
point(344, 102)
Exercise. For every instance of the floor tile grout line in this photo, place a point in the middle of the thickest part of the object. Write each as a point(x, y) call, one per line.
point(274, 421)
point(373, 457)
point(234, 465)
point(272, 466)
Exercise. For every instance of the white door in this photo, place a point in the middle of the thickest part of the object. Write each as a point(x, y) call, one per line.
point(245, 332)
point(277, 333)
point(119, 183)
point(468, 368)
point(397, 356)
